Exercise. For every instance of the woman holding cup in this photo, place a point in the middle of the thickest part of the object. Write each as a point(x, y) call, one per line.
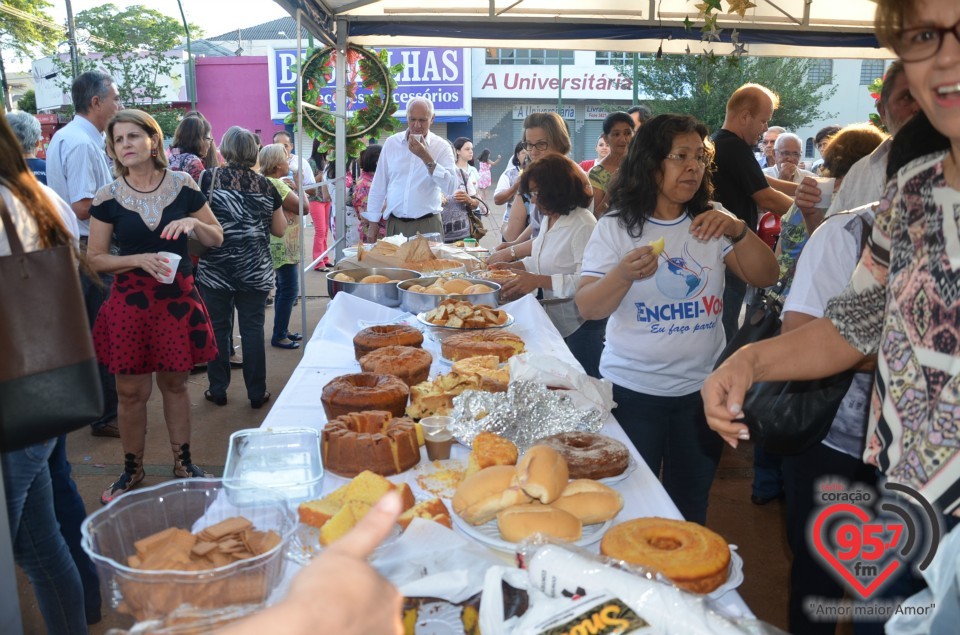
point(149, 325)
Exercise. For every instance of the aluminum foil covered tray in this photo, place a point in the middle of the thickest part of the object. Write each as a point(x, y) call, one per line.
point(525, 413)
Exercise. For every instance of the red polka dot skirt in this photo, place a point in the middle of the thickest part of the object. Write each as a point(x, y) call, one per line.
point(146, 326)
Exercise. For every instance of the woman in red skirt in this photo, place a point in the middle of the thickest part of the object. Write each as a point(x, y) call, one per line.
point(147, 326)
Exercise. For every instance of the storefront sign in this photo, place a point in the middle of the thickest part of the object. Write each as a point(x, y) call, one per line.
point(597, 112)
point(570, 82)
point(442, 75)
point(521, 112)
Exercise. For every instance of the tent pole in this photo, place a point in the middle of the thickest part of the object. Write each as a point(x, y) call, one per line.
point(305, 330)
point(341, 128)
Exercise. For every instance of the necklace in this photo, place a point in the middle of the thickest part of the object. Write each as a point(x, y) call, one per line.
point(163, 175)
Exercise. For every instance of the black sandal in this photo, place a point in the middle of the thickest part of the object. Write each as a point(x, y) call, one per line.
point(219, 400)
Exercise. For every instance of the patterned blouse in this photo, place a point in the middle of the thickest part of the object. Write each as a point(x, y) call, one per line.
point(243, 201)
point(599, 177)
point(903, 302)
point(186, 162)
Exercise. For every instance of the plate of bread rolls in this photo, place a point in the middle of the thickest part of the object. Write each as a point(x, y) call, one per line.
point(502, 505)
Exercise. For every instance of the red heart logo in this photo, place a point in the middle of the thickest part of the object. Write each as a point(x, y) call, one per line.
point(871, 549)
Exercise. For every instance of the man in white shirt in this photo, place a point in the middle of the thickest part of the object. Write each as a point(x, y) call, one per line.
point(416, 171)
point(77, 166)
point(306, 173)
point(787, 152)
point(768, 158)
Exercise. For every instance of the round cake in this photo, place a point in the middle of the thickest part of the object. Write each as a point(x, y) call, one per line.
point(690, 555)
point(374, 440)
point(503, 344)
point(364, 391)
point(410, 364)
point(374, 337)
point(589, 455)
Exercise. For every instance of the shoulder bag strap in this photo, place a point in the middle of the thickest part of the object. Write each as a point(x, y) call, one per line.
point(16, 247)
point(213, 180)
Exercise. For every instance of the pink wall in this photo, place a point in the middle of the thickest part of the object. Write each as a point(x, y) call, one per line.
point(235, 91)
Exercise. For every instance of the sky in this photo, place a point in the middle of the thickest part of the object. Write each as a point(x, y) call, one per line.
point(213, 16)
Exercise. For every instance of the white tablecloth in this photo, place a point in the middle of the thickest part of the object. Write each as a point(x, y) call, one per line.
point(329, 353)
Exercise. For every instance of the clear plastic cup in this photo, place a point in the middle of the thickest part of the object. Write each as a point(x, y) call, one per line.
point(437, 436)
point(173, 261)
point(826, 186)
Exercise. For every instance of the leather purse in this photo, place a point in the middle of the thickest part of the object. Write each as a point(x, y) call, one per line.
point(49, 383)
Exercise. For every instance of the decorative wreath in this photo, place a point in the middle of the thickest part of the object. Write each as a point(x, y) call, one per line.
point(364, 67)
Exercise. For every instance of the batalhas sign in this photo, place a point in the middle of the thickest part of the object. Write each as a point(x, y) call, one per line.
point(439, 74)
point(573, 82)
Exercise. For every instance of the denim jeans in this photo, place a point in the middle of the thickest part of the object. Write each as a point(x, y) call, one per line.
point(767, 474)
point(672, 436)
point(734, 291)
point(251, 309)
point(288, 285)
point(38, 546)
point(94, 296)
point(70, 512)
point(586, 344)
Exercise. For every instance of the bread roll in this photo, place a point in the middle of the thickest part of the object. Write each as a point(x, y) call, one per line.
point(542, 473)
point(522, 521)
point(375, 279)
point(590, 501)
point(480, 496)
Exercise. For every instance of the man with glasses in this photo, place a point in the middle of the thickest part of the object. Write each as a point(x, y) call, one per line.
point(787, 153)
point(416, 171)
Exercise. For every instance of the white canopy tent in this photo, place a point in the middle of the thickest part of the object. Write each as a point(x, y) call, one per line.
point(782, 28)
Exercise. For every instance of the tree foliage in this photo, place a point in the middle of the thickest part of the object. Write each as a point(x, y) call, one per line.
point(700, 86)
point(28, 102)
point(23, 37)
point(132, 42)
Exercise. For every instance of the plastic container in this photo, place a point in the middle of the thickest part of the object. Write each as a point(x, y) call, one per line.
point(192, 504)
point(284, 462)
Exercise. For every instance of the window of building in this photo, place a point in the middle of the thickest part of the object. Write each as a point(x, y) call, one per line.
point(809, 148)
point(820, 72)
point(870, 70)
point(528, 56)
point(614, 58)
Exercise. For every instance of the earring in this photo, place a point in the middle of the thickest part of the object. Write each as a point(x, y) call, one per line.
point(153, 152)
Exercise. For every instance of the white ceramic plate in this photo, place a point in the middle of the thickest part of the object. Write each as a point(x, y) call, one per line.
point(488, 534)
point(734, 578)
point(631, 467)
point(423, 320)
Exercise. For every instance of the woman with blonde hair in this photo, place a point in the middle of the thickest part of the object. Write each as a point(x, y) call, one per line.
point(147, 326)
point(285, 251)
point(239, 273)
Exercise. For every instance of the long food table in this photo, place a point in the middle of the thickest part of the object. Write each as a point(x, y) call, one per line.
point(329, 353)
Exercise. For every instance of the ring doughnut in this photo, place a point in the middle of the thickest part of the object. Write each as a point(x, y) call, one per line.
point(589, 455)
point(690, 555)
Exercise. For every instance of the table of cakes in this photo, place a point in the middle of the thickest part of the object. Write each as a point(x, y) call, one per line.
point(330, 353)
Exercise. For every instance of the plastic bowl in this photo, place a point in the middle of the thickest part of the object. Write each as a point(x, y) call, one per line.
point(415, 303)
point(384, 293)
point(192, 504)
point(283, 462)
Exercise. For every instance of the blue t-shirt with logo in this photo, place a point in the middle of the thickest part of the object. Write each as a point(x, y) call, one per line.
point(666, 333)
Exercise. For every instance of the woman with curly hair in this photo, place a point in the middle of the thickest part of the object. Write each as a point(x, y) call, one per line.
point(655, 266)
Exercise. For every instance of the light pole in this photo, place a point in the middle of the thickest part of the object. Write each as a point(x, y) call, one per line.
point(191, 69)
point(72, 40)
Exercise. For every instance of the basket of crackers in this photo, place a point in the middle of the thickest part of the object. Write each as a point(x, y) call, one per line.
point(183, 542)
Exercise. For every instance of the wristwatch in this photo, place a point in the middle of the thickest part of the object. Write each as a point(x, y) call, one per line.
point(430, 166)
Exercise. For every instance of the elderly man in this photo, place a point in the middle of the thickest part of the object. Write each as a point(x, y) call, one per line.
point(768, 158)
point(787, 152)
point(283, 138)
point(26, 128)
point(77, 166)
point(416, 170)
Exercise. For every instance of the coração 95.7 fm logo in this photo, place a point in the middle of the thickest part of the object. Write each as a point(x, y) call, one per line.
point(865, 539)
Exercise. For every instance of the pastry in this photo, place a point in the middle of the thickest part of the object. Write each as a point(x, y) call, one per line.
point(590, 501)
point(410, 364)
point(482, 495)
point(589, 455)
point(486, 369)
point(542, 474)
point(432, 509)
point(522, 521)
point(364, 391)
point(374, 337)
point(489, 449)
point(372, 440)
point(690, 555)
point(503, 344)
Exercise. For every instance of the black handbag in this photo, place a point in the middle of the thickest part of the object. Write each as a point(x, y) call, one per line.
point(477, 230)
point(786, 417)
point(194, 246)
point(49, 383)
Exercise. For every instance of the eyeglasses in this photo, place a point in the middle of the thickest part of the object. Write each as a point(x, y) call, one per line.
point(539, 145)
point(923, 42)
point(682, 158)
point(783, 153)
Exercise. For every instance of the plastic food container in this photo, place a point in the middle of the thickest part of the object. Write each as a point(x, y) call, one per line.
point(192, 504)
point(284, 462)
point(415, 303)
point(384, 293)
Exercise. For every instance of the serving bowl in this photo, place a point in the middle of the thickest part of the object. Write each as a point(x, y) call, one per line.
point(109, 534)
point(415, 303)
point(384, 293)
